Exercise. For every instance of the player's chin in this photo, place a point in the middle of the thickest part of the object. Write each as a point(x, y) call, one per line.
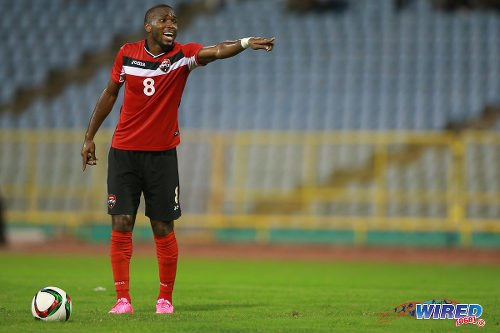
point(168, 44)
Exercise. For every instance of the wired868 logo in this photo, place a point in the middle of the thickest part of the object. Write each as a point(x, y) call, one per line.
point(462, 313)
point(438, 309)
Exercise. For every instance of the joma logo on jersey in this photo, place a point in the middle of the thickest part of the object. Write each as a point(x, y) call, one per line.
point(138, 63)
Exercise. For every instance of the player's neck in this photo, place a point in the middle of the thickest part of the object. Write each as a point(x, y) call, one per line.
point(155, 48)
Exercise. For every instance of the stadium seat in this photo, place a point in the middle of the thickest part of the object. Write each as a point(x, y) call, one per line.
point(368, 68)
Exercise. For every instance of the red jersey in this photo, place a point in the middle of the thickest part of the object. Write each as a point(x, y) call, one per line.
point(153, 91)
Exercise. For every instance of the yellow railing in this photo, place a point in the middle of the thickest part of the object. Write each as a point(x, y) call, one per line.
point(41, 180)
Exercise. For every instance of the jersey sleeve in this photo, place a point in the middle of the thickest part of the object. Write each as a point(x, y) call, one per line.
point(117, 72)
point(191, 53)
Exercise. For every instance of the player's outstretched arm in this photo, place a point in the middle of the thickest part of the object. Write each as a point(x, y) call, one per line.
point(231, 48)
point(102, 109)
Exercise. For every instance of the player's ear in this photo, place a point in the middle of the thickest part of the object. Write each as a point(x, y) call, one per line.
point(147, 27)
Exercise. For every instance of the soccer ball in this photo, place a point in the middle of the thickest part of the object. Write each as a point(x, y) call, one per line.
point(51, 304)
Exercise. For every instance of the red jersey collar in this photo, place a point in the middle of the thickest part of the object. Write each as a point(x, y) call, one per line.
point(146, 48)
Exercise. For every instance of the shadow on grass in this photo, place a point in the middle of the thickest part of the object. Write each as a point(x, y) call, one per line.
point(212, 307)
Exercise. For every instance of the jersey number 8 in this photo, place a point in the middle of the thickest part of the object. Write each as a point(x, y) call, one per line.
point(149, 86)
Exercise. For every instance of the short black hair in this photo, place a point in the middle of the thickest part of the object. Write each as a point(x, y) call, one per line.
point(150, 11)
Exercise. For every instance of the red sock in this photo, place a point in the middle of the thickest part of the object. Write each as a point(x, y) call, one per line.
point(121, 252)
point(166, 251)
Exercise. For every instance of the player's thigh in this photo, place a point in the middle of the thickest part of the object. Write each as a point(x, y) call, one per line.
point(124, 182)
point(161, 186)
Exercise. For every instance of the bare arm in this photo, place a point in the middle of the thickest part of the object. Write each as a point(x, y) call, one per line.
point(102, 109)
point(231, 48)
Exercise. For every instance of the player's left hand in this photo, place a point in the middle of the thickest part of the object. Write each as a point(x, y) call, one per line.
point(258, 43)
point(88, 154)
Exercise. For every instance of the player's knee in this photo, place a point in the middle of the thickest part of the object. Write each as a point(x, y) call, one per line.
point(161, 228)
point(123, 223)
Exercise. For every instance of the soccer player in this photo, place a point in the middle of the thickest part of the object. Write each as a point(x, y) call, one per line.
point(143, 157)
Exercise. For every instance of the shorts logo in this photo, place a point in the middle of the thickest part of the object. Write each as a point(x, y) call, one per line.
point(176, 198)
point(165, 65)
point(111, 201)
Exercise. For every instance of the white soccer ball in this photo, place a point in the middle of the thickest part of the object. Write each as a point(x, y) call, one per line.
point(51, 304)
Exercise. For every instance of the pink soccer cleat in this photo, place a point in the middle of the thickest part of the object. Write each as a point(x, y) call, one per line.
point(164, 306)
point(122, 306)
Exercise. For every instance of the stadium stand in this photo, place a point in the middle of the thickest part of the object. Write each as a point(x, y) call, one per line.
point(54, 35)
point(360, 70)
point(368, 68)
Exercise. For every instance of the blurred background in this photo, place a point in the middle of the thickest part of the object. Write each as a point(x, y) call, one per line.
point(372, 122)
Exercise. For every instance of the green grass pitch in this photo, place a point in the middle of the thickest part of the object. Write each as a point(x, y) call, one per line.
point(246, 295)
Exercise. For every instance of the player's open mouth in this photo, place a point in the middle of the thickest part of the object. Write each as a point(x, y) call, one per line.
point(169, 36)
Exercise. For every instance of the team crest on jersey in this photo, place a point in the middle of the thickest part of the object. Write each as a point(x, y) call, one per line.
point(165, 65)
point(111, 201)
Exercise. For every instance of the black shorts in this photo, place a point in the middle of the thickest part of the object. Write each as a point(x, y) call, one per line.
point(154, 173)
